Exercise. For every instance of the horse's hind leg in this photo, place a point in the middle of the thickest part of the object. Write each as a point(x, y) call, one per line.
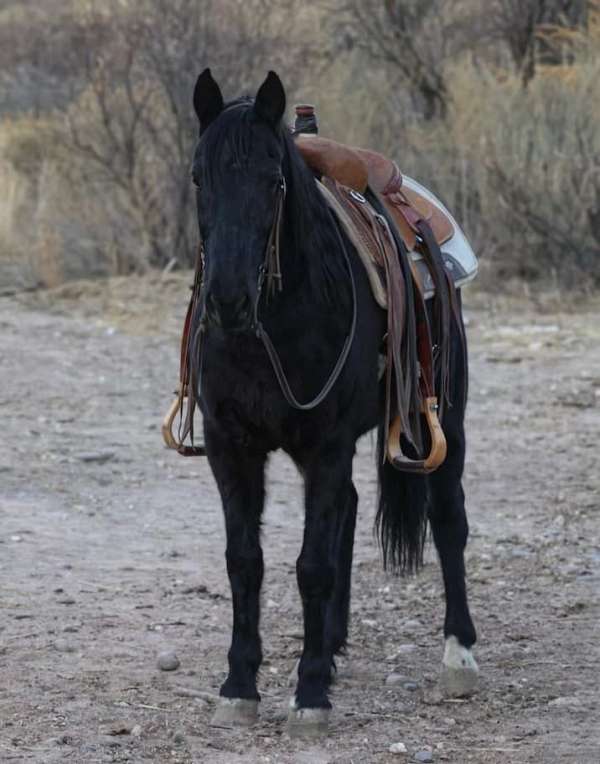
point(323, 570)
point(450, 530)
point(240, 478)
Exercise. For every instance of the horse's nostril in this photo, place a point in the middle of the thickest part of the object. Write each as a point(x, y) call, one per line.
point(228, 314)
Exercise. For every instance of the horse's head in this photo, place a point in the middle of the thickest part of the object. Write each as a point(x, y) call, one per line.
point(238, 173)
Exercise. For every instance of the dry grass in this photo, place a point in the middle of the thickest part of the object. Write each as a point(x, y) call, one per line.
point(520, 168)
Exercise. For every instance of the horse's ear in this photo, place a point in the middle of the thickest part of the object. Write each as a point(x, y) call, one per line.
point(208, 100)
point(270, 100)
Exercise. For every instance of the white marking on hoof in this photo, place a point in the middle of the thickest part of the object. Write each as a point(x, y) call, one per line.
point(307, 722)
point(293, 677)
point(460, 673)
point(235, 712)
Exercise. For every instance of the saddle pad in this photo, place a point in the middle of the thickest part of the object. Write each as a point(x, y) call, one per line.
point(459, 258)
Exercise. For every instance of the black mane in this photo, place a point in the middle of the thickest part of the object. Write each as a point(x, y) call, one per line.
point(313, 228)
point(311, 242)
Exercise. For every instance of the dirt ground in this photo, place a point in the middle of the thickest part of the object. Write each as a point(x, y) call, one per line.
point(111, 550)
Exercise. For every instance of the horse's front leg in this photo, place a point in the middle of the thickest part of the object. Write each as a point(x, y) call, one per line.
point(323, 577)
point(240, 478)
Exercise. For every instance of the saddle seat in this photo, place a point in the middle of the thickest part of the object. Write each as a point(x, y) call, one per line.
point(359, 168)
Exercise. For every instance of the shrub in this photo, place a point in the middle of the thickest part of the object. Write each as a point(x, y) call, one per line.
point(96, 148)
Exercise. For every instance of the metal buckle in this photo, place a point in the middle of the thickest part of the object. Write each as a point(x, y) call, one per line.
point(358, 197)
point(262, 273)
point(382, 222)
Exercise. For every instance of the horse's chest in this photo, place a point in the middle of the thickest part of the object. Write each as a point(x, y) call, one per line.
point(242, 399)
point(245, 401)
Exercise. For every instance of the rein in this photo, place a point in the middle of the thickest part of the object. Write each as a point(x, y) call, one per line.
point(270, 271)
point(190, 377)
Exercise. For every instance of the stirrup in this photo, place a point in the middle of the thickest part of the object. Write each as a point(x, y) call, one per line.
point(167, 429)
point(437, 453)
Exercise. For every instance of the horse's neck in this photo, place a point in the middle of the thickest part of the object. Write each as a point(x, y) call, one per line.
point(309, 255)
point(306, 297)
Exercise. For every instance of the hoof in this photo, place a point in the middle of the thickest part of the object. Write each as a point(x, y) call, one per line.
point(460, 673)
point(307, 722)
point(235, 712)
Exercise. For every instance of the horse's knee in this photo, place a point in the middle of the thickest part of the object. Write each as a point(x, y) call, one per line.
point(448, 510)
point(449, 526)
point(244, 560)
point(447, 513)
point(315, 579)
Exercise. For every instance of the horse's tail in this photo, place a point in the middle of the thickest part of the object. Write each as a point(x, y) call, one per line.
point(401, 520)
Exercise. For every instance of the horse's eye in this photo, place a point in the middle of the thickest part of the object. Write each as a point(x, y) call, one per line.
point(196, 180)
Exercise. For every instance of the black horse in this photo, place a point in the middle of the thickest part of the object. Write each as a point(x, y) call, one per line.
point(246, 167)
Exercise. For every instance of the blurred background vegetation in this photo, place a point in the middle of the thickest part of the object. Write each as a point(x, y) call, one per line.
point(493, 104)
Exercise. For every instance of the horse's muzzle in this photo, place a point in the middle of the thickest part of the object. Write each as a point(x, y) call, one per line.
point(229, 315)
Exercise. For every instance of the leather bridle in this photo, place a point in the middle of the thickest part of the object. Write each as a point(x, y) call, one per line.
point(270, 272)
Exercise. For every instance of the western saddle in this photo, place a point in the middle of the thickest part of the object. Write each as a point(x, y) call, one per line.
point(385, 221)
point(360, 169)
